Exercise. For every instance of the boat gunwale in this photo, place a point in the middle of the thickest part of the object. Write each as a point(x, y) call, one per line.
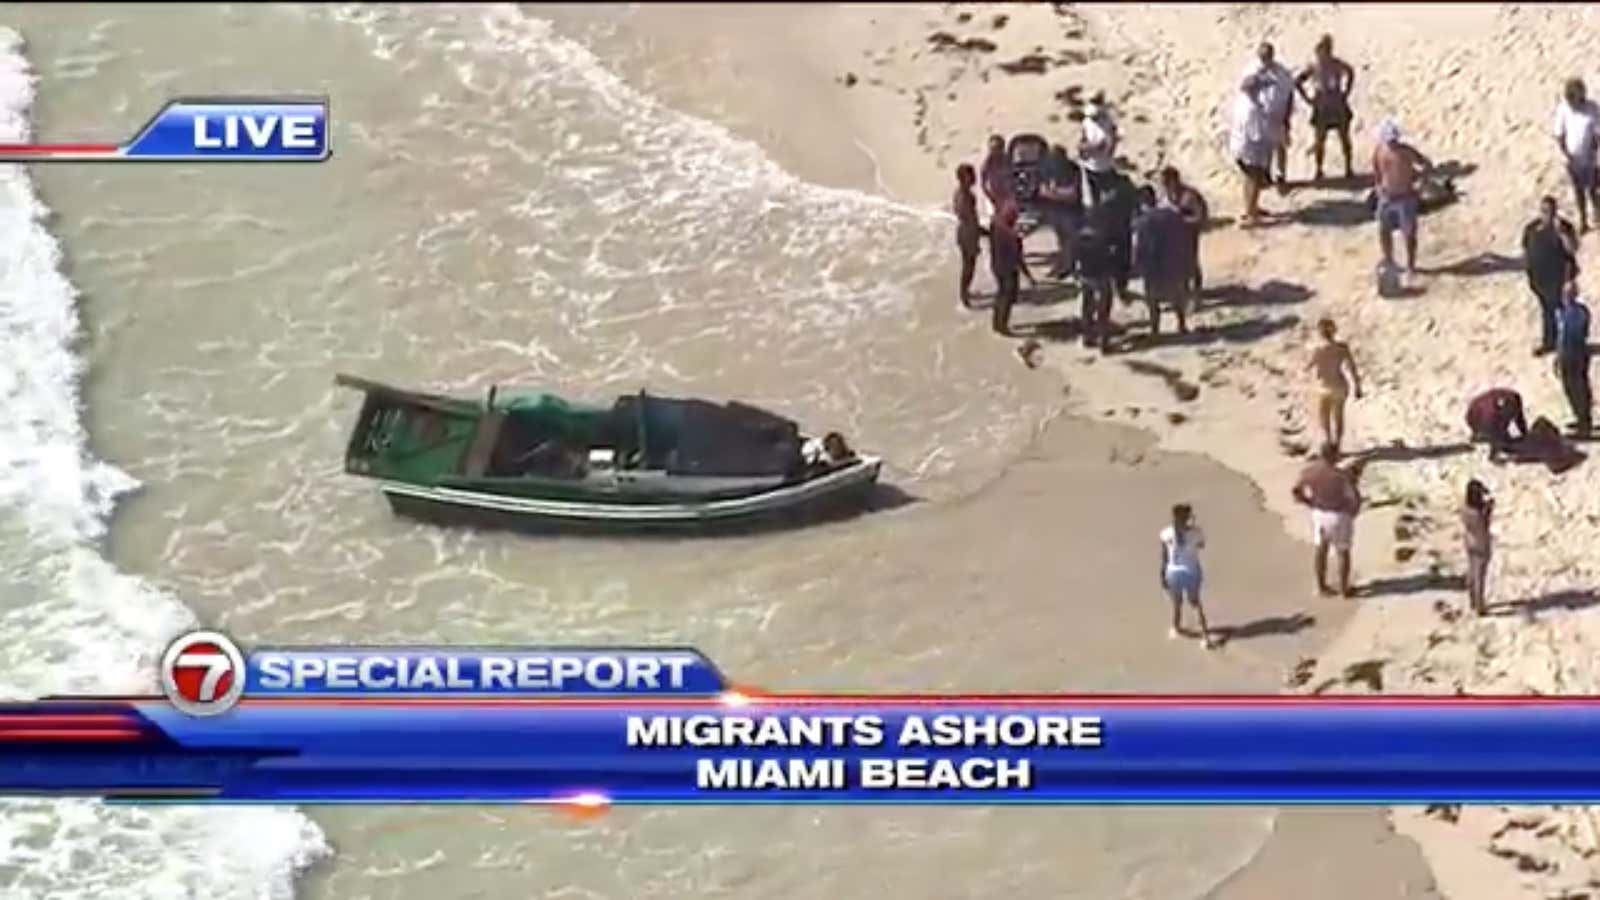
point(862, 469)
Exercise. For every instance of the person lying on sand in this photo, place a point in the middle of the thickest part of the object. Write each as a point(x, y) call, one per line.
point(1577, 131)
point(1331, 494)
point(1478, 541)
point(1190, 204)
point(1493, 416)
point(1332, 80)
point(1334, 368)
point(1397, 171)
point(1181, 576)
point(965, 206)
point(1544, 444)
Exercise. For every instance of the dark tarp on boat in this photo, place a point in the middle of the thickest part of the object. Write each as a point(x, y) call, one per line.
point(696, 437)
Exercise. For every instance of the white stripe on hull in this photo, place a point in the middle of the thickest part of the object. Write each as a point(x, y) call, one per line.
point(861, 473)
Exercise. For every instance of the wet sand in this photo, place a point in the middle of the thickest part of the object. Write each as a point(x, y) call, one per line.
point(791, 97)
point(1042, 580)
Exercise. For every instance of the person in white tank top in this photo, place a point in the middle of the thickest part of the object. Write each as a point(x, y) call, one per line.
point(1181, 574)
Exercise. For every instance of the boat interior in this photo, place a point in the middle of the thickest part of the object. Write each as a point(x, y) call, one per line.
point(675, 444)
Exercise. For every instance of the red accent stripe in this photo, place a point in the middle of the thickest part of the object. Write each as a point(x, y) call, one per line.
point(50, 149)
point(863, 700)
point(63, 720)
point(71, 734)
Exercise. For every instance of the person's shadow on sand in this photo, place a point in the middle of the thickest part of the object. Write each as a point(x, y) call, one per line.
point(1272, 625)
point(1567, 600)
point(1412, 584)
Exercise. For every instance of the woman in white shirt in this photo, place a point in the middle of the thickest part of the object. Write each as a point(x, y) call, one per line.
point(1181, 576)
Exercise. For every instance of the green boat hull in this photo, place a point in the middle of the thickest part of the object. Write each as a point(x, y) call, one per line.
point(540, 463)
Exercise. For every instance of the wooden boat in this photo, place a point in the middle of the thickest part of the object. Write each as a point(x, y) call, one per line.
point(538, 462)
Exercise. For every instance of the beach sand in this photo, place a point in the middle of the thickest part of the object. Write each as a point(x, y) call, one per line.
point(889, 98)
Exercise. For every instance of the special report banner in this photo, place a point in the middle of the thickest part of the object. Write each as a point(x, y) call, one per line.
point(600, 726)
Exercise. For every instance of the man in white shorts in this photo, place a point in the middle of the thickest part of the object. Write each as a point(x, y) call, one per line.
point(1331, 494)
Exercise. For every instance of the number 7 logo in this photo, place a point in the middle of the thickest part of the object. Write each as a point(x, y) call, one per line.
point(203, 673)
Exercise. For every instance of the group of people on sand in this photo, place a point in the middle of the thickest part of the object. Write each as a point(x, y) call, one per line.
point(1260, 135)
point(1263, 115)
point(1108, 230)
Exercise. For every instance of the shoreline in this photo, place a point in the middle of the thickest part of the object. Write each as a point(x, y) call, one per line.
point(920, 106)
point(808, 73)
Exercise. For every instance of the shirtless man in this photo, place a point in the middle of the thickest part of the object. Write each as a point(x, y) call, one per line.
point(965, 207)
point(996, 174)
point(1336, 375)
point(1332, 79)
point(1397, 169)
point(1331, 494)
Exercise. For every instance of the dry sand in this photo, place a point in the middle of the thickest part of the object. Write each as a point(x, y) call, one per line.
point(889, 98)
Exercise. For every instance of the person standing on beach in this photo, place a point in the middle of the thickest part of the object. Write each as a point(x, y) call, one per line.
point(1098, 147)
point(1331, 494)
point(1192, 206)
point(965, 206)
point(1332, 80)
point(1577, 131)
point(1161, 252)
point(999, 182)
point(1117, 208)
point(1097, 277)
point(1275, 86)
point(1573, 358)
point(1181, 576)
point(1330, 362)
point(1061, 205)
point(1005, 261)
point(1478, 541)
point(1250, 143)
point(1550, 254)
point(1397, 171)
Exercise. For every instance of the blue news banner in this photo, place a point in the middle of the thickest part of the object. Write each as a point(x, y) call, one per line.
point(599, 727)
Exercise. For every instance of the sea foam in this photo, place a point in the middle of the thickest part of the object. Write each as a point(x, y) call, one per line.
point(69, 621)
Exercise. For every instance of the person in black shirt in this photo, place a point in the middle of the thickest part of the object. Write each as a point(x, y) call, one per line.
point(1097, 270)
point(1118, 205)
point(1060, 204)
point(1549, 251)
point(1161, 252)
